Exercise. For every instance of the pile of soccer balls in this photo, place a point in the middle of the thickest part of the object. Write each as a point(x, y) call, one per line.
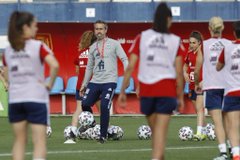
point(186, 132)
point(89, 131)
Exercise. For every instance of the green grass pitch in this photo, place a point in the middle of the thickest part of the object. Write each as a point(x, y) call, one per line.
point(129, 148)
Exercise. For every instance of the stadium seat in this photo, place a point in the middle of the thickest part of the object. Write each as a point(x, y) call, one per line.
point(186, 88)
point(58, 87)
point(71, 85)
point(129, 89)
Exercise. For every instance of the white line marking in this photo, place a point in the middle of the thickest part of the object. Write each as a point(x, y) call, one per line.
point(113, 150)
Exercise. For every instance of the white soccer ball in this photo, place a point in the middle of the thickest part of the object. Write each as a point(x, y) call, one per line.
point(49, 131)
point(88, 133)
point(85, 119)
point(144, 132)
point(185, 133)
point(96, 132)
point(67, 132)
point(115, 132)
point(81, 135)
point(210, 131)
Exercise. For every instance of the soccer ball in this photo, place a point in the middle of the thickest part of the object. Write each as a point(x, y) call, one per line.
point(85, 119)
point(96, 132)
point(144, 132)
point(88, 133)
point(49, 131)
point(115, 132)
point(67, 132)
point(210, 131)
point(185, 133)
point(81, 135)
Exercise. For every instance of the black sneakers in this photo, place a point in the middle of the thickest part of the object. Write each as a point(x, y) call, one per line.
point(101, 140)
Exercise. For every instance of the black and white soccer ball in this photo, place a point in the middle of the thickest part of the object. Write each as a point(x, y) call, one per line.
point(48, 131)
point(144, 132)
point(210, 131)
point(185, 133)
point(85, 119)
point(115, 132)
point(96, 132)
point(67, 132)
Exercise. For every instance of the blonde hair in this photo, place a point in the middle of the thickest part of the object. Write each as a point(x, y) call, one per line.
point(216, 24)
point(86, 39)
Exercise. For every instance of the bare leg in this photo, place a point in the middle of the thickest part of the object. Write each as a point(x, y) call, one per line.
point(77, 113)
point(39, 141)
point(216, 115)
point(20, 133)
point(159, 123)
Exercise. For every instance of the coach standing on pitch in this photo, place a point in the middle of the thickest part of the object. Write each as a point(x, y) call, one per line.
point(102, 67)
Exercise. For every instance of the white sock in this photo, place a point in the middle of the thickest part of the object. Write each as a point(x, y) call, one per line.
point(199, 129)
point(222, 148)
point(236, 151)
point(229, 144)
point(74, 130)
point(204, 130)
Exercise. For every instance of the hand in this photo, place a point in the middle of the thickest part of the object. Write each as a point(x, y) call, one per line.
point(198, 88)
point(82, 91)
point(122, 98)
point(186, 77)
point(48, 87)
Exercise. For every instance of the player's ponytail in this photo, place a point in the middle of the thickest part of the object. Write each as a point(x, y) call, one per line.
point(15, 29)
point(161, 16)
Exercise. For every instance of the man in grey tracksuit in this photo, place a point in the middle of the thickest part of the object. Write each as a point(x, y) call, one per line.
point(103, 72)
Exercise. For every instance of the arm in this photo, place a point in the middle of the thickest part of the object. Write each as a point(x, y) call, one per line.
point(77, 69)
point(179, 80)
point(54, 67)
point(122, 55)
point(199, 62)
point(127, 75)
point(185, 74)
point(88, 72)
point(3, 79)
point(221, 61)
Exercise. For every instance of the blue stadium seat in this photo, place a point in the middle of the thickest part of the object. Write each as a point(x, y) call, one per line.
point(71, 85)
point(130, 88)
point(58, 86)
point(186, 88)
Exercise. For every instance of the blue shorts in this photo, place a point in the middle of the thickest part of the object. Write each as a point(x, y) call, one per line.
point(214, 99)
point(32, 112)
point(78, 97)
point(193, 95)
point(165, 105)
point(231, 103)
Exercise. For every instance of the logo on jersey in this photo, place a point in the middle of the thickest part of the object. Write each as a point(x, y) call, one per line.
point(215, 50)
point(158, 42)
point(235, 57)
point(101, 65)
point(84, 54)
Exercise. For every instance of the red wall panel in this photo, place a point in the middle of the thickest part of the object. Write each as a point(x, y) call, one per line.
point(65, 38)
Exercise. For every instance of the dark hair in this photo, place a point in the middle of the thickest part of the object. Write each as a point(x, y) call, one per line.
point(197, 35)
point(161, 18)
point(15, 28)
point(102, 22)
point(236, 27)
